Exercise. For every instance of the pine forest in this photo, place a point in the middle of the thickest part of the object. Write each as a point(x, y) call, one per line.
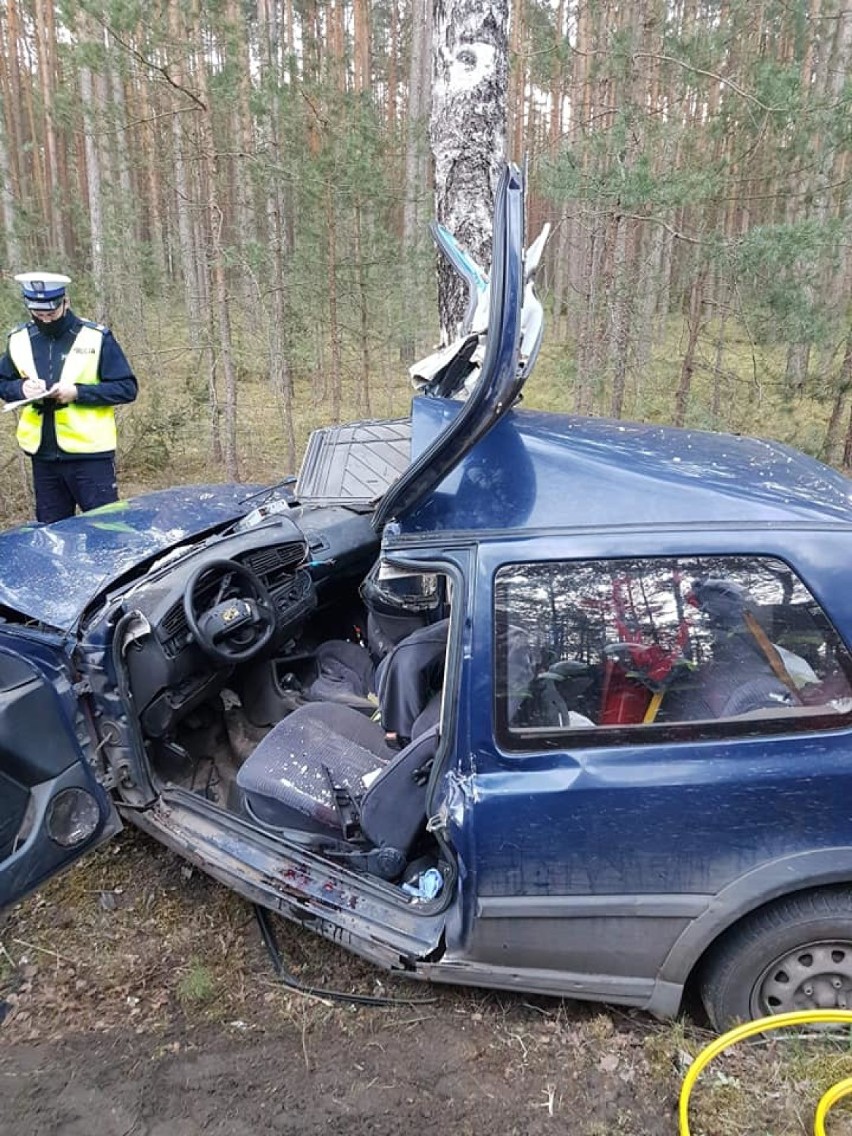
point(242, 189)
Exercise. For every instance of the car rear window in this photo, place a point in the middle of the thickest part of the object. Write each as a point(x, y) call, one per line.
point(686, 647)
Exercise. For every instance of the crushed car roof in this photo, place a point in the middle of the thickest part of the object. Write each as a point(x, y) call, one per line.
point(542, 470)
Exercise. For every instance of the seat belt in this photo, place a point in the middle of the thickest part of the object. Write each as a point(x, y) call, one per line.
point(771, 654)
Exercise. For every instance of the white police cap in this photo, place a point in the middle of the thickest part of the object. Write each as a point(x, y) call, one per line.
point(42, 291)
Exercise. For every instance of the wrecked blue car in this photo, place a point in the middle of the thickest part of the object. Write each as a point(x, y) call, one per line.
point(488, 696)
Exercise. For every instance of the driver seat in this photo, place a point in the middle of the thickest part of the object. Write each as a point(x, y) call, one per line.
point(403, 681)
point(326, 770)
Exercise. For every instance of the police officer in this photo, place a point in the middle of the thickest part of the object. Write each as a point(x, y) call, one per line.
point(81, 373)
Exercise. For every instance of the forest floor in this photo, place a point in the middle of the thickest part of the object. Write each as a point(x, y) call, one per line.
point(137, 1000)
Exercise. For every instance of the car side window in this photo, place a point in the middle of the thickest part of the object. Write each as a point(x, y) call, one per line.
point(686, 647)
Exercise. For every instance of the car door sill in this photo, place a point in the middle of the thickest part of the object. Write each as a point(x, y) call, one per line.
point(638, 992)
point(355, 911)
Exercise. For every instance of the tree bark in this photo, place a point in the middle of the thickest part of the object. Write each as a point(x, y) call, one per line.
point(39, 189)
point(216, 260)
point(9, 90)
point(414, 230)
point(516, 127)
point(7, 199)
point(468, 133)
point(362, 46)
point(152, 201)
point(831, 445)
point(280, 376)
point(46, 37)
point(185, 208)
point(245, 214)
point(333, 319)
point(363, 317)
point(696, 300)
point(91, 120)
point(419, 101)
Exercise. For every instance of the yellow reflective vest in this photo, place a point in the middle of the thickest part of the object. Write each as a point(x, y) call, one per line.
point(80, 429)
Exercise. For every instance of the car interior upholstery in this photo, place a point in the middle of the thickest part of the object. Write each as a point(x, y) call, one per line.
point(329, 732)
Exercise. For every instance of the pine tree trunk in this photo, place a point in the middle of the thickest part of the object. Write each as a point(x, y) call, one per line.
point(831, 445)
point(93, 178)
point(335, 57)
point(245, 214)
point(333, 320)
point(623, 300)
point(126, 205)
point(561, 269)
point(184, 196)
point(516, 127)
point(363, 314)
point(557, 82)
point(216, 260)
point(696, 300)
point(648, 293)
point(393, 69)
point(11, 103)
point(46, 36)
point(414, 230)
point(362, 47)
point(39, 191)
point(718, 373)
point(589, 353)
point(152, 202)
point(280, 377)
point(7, 199)
point(64, 229)
point(419, 99)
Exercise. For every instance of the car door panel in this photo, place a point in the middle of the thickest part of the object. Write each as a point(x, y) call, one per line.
point(618, 860)
point(52, 809)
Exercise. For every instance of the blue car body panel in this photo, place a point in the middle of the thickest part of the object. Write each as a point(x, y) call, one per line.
point(607, 871)
point(539, 470)
point(51, 571)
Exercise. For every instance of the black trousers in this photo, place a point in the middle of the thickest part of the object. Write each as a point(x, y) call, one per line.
point(63, 486)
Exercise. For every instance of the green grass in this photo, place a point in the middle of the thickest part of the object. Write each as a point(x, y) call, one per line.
point(198, 985)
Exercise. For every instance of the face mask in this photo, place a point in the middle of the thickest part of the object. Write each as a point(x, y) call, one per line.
point(55, 328)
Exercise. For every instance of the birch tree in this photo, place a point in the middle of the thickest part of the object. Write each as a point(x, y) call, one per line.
point(468, 132)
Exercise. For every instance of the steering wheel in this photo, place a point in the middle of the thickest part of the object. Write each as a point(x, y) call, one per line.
point(238, 616)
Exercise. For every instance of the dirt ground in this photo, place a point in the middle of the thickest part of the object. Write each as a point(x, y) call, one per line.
point(420, 1072)
point(138, 1000)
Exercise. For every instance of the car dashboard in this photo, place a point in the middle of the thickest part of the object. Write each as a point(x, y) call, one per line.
point(168, 672)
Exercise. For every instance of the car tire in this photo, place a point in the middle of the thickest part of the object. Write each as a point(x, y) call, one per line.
point(795, 954)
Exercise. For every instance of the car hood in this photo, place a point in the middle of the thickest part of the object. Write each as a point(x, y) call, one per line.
point(50, 572)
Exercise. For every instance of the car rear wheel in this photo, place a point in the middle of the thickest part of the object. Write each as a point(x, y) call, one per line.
point(793, 955)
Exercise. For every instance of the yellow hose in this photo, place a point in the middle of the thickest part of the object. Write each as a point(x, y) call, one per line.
point(764, 1025)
